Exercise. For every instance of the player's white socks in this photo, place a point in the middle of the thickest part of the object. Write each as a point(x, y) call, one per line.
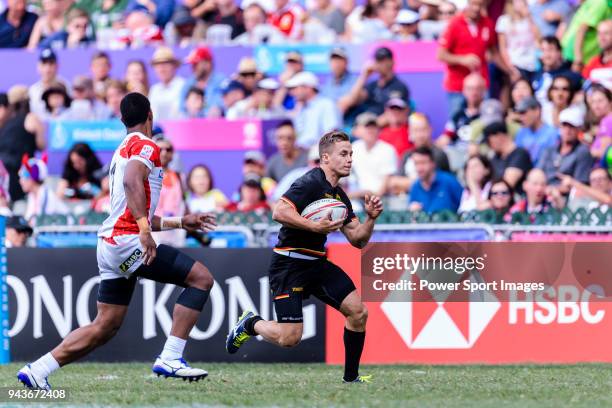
point(44, 366)
point(173, 349)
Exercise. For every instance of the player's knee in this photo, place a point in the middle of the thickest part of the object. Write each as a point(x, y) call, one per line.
point(290, 338)
point(359, 316)
point(200, 277)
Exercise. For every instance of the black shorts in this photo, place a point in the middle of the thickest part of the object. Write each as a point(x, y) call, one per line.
point(294, 279)
point(169, 266)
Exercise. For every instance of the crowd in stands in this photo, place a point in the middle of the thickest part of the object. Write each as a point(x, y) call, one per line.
point(528, 83)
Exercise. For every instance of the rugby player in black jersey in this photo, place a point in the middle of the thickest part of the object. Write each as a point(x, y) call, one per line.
point(299, 267)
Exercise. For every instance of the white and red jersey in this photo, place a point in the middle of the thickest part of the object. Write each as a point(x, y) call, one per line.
point(289, 20)
point(135, 146)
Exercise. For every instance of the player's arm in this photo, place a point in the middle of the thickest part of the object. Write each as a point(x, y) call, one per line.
point(359, 234)
point(136, 173)
point(206, 222)
point(286, 214)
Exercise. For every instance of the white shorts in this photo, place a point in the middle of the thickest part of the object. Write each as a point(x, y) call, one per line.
point(120, 260)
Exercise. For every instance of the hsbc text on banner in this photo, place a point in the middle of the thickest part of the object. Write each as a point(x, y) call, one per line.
point(566, 324)
point(53, 291)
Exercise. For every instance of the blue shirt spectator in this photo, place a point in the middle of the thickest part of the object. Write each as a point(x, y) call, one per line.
point(434, 190)
point(204, 78)
point(162, 10)
point(535, 136)
point(340, 84)
point(548, 14)
point(16, 36)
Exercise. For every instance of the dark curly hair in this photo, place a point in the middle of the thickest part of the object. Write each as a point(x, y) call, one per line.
point(71, 175)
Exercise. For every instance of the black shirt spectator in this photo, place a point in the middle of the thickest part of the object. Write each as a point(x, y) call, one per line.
point(227, 13)
point(16, 25)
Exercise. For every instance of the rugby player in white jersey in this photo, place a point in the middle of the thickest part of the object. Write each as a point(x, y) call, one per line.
point(126, 251)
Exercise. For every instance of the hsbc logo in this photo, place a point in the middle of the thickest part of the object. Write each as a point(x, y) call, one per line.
point(439, 324)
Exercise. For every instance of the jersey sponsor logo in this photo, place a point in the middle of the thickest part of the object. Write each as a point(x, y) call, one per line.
point(127, 264)
point(336, 197)
point(146, 152)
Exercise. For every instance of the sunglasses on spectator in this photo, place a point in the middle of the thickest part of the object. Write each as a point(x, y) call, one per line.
point(501, 193)
point(247, 74)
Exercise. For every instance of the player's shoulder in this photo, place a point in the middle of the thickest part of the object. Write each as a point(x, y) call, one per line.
point(142, 146)
point(311, 177)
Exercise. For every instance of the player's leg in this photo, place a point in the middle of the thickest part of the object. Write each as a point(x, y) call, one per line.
point(337, 290)
point(114, 295)
point(288, 277)
point(175, 267)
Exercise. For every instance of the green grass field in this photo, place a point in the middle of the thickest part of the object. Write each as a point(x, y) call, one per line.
point(310, 385)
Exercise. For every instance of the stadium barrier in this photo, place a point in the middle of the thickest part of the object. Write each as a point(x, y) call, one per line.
point(53, 291)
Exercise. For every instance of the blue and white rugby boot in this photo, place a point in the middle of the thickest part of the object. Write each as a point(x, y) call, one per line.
point(30, 380)
point(238, 335)
point(178, 368)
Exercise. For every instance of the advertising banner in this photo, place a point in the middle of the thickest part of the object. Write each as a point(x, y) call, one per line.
point(53, 291)
point(99, 135)
point(567, 322)
point(214, 134)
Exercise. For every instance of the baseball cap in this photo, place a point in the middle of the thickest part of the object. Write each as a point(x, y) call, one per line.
point(605, 126)
point(294, 56)
point(303, 78)
point(19, 223)
point(269, 84)
point(231, 85)
point(572, 116)
point(338, 52)
point(491, 110)
point(383, 53)
point(526, 104)
point(17, 93)
point(182, 17)
point(407, 17)
point(47, 55)
point(366, 118)
point(254, 156)
point(396, 103)
point(82, 82)
point(199, 54)
point(247, 65)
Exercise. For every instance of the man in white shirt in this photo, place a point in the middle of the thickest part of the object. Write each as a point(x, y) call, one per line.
point(314, 115)
point(374, 161)
point(47, 70)
point(165, 96)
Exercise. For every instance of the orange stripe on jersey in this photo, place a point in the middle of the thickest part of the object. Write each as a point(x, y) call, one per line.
point(288, 201)
point(311, 251)
point(285, 296)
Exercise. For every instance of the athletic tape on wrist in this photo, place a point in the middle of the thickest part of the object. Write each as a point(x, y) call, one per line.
point(168, 223)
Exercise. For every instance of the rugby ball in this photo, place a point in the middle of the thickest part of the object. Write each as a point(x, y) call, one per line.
point(320, 209)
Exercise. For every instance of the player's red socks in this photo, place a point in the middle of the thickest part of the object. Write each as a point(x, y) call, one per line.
point(353, 346)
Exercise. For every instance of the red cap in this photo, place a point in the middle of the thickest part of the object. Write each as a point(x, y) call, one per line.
point(199, 54)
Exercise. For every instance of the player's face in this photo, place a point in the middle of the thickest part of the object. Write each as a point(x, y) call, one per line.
point(340, 159)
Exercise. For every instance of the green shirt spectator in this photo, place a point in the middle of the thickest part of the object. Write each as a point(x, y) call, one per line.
point(584, 25)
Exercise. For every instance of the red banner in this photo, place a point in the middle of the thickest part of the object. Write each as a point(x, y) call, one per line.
point(574, 330)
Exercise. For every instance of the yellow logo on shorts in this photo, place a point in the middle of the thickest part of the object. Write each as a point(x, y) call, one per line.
point(130, 261)
point(297, 289)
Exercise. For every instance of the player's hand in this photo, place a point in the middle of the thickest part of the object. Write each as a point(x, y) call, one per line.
point(149, 247)
point(326, 225)
point(373, 206)
point(206, 222)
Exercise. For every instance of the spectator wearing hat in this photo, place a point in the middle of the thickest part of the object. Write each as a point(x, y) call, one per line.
point(184, 30)
point(257, 29)
point(248, 75)
point(288, 155)
point(599, 68)
point(260, 104)
point(396, 130)
point(434, 190)
point(84, 104)
point(194, 104)
point(535, 136)
point(375, 94)
point(22, 133)
point(74, 36)
point(510, 162)
point(327, 13)
point(314, 114)
point(407, 26)
point(16, 25)
point(41, 201)
point(569, 156)
point(340, 82)
point(204, 77)
point(288, 18)
point(56, 100)
point(17, 232)
point(47, 71)
point(374, 160)
point(463, 48)
point(165, 96)
point(233, 92)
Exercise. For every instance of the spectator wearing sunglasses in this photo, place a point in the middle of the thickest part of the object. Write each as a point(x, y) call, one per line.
point(501, 197)
point(248, 75)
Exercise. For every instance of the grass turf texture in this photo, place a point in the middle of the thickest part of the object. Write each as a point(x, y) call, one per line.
point(292, 385)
